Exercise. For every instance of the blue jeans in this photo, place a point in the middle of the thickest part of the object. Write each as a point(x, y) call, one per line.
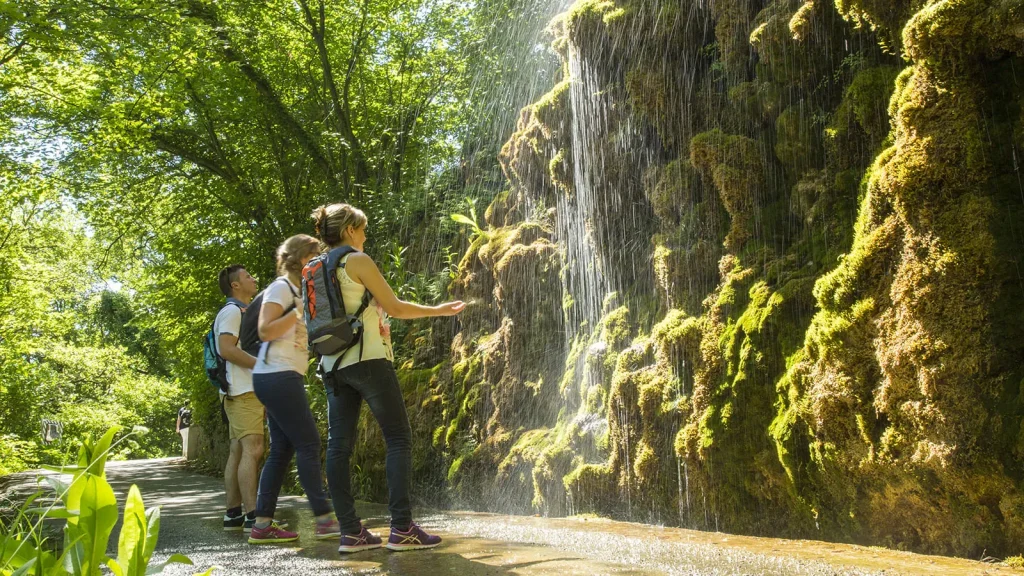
point(376, 382)
point(292, 432)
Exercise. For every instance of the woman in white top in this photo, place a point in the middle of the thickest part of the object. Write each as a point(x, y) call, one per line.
point(365, 372)
point(279, 382)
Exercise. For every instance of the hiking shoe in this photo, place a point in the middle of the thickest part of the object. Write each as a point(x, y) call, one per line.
point(249, 522)
point(272, 534)
point(413, 539)
point(365, 540)
point(232, 523)
point(325, 530)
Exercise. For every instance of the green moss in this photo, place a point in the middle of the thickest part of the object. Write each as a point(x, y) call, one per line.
point(591, 486)
point(561, 171)
point(798, 392)
point(779, 58)
point(860, 124)
point(732, 20)
point(551, 111)
point(585, 17)
point(504, 210)
point(735, 165)
point(797, 145)
point(861, 101)
point(502, 240)
point(541, 130)
point(898, 371)
point(616, 331)
point(755, 101)
point(885, 18)
point(453, 470)
point(672, 193)
point(414, 380)
point(546, 454)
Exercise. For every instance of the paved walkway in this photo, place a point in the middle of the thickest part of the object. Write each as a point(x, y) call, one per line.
point(492, 544)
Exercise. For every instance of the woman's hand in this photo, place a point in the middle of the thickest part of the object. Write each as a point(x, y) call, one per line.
point(450, 308)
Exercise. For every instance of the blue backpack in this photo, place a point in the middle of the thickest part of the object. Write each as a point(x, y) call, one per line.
point(216, 367)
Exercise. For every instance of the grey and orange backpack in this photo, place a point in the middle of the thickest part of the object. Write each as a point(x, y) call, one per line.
point(330, 329)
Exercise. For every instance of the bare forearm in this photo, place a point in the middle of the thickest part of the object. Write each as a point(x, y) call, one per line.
point(238, 357)
point(276, 328)
point(410, 310)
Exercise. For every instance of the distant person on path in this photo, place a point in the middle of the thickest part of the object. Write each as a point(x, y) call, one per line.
point(278, 380)
point(365, 372)
point(181, 427)
point(184, 418)
point(244, 411)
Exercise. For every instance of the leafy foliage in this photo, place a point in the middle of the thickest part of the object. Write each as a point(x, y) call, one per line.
point(174, 138)
point(91, 514)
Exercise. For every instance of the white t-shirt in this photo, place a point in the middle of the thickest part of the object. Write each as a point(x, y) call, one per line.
point(289, 352)
point(229, 321)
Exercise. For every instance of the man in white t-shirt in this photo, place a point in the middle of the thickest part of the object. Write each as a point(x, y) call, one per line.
point(244, 411)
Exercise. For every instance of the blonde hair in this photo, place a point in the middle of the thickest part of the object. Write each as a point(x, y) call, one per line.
point(292, 251)
point(331, 220)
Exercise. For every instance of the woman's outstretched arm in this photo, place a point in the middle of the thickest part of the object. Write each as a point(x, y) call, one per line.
point(362, 269)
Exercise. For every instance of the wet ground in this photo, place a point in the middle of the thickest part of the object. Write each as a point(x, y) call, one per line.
point(490, 544)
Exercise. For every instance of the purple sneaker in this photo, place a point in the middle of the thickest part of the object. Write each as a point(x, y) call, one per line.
point(414, 539)
point(272, 534)
point(365, 540)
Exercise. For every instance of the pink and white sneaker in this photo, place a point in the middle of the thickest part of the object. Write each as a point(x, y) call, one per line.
point(325, 530)
point(272, 534)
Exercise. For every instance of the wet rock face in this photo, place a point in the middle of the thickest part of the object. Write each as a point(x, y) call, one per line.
point(813, 244)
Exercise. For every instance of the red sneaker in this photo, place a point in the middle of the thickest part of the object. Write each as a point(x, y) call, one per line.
point(272, 534)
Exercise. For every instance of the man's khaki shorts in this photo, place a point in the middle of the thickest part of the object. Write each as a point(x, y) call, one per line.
point(245, 415)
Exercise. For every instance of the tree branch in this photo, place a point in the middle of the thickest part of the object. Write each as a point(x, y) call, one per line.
point(12, 52)
point(341, 108)
point(165, 142)
point(271, 99)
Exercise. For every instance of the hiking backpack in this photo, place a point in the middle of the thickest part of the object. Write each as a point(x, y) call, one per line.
point(248, 331)
point(216, 367)
point(330, 329)
point(248, 340)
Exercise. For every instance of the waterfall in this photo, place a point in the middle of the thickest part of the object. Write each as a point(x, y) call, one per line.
point(585, 280)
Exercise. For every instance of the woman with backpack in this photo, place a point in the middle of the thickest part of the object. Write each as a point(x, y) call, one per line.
point(365, 372)
point(278, 380)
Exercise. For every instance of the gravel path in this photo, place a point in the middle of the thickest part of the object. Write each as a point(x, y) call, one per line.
point(490, 544)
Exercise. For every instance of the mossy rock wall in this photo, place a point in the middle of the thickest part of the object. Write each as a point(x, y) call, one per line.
point(818, 327)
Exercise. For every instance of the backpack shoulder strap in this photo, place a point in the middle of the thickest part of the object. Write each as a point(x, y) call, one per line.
point(335, 257)
point(213, 327)
point(213, 336)
point(367, 296)
point(289, 285)
point(216, 336)
point(334, 261)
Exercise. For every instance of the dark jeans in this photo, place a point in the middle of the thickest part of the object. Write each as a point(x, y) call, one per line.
point(376, 382)
point(292, 431)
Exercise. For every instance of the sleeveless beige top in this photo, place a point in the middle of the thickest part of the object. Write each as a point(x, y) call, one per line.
point(376, 326)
